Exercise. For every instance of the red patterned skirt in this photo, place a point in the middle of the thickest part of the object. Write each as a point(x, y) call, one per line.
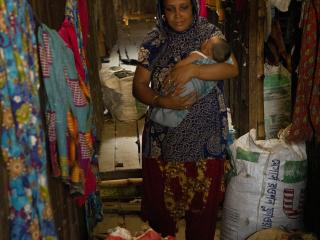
point(183, 190)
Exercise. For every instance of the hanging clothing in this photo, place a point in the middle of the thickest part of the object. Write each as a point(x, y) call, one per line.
point(182, 166)
point(203, 8)
point(306, 114)
point(68, 113)
point(71, 32)
point(84, 21)
point(22, 136)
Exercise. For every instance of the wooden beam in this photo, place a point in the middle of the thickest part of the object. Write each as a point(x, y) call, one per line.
point(120, 182)
point(260, 68)
point(253, 16)
point(93, 68)
point(256, 66)
point(4, 201)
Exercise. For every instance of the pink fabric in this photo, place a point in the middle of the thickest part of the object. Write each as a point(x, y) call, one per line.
point(149, 235)
point(203, 9)
point(90, 186)
point(84, 20)
point(114, 238)
point(68, 34)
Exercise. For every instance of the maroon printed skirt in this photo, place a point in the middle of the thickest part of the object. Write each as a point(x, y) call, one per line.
point(183, 190)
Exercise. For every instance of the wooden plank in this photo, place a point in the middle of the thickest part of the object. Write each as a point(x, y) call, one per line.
point(122, 208)
point(244, 94)
point(237, 90)
point(93, 68)
point(121, 174)
point(50, 12)
point(107, 27)
point(260, 69)
point(4, 202)
point(253, 91)
point(120, 182)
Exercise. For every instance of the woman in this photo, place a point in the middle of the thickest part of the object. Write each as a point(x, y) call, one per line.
point(183, 165)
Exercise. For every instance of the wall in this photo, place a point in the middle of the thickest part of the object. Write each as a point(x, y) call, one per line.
point(105, 21)
point(236, 91)
point(4, 212)
point(134, 7)
point(50, 12)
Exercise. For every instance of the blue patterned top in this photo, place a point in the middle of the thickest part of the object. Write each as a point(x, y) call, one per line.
point(203, 132)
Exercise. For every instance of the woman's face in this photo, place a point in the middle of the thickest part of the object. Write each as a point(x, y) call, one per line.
point(178, 14)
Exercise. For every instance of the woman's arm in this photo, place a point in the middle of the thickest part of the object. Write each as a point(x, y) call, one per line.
point(140, 87)
point(146, 95)
point(193, 56)
point(217, 71)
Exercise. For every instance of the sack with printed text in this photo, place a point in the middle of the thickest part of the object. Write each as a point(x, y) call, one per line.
point(269, 188)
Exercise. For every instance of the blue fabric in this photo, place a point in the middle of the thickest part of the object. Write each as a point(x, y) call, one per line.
point(171, 117)
point(22, 134)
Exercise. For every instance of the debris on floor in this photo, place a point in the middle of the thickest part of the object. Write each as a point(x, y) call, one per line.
point(120, 233)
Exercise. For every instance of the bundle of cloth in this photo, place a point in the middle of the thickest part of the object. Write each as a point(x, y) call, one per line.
point(123, 234)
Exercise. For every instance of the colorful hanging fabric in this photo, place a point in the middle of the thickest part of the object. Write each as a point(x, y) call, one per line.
point(22, 137)
point(84, 20)
point(203, 8)
point(71, 32)
point(315, 95)
point(306, 115)
point(68, 113)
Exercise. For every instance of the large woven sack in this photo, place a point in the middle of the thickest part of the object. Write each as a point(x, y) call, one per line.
point(268, 190)
point(117, 94)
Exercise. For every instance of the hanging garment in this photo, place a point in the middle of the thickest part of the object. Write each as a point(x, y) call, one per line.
point(71, 33)
point(22, 136)
point(68, 113)
point(203, 8)
point(315, 95)
point(84, 20)
point(306, 115)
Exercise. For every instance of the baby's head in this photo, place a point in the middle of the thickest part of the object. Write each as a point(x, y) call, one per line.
point(217, 48)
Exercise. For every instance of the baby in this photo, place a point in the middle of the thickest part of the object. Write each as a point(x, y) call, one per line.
point(220, 52)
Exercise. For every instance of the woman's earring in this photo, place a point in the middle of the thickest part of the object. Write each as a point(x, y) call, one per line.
point(163, 17)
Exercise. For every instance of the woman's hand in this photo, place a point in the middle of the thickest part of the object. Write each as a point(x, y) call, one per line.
point(177, 100)
point(178, 77)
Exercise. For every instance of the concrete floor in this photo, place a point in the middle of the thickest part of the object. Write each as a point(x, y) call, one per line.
point(119, 149)
point(119, 145)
